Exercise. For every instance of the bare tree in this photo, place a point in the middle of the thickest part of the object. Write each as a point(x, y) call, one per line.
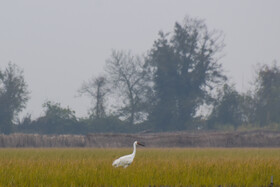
point(96, 89)
point(129, 79)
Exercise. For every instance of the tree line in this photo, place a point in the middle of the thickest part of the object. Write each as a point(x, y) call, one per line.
point(163, 90)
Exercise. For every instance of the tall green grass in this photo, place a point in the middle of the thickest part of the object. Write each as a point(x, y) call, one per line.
point(155, 167)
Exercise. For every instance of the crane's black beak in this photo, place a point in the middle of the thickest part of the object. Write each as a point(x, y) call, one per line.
point(140, 144)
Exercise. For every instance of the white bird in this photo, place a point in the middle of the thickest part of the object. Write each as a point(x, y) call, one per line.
point(127, 159)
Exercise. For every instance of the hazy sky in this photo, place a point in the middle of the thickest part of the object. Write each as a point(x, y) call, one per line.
point(61, 43)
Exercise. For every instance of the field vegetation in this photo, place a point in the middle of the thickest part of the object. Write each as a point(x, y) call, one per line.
point(155, 167)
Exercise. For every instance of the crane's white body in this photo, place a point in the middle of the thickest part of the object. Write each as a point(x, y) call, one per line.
point(127, 159)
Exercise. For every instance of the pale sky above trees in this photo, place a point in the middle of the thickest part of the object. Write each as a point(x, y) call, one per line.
point(60, 44)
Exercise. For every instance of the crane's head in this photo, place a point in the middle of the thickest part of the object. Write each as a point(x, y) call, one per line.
point(138, 143)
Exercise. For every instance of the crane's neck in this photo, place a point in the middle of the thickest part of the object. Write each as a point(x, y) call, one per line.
point(134, 149)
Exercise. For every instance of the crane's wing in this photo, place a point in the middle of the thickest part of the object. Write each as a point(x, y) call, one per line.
point(116, 163)
point(123, 161)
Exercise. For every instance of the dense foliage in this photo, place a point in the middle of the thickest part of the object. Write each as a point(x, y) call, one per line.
point(13, 96)
point(185, 68)
point(161, 91)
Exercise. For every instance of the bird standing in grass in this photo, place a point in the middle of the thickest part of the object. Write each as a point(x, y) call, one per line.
point(127, 159)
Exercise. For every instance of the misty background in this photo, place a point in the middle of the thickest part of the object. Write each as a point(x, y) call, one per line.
point(60, 44)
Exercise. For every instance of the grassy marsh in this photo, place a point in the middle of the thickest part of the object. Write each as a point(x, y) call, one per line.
point(155, 167)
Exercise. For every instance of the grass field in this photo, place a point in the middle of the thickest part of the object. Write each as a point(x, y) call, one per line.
point(155, 167)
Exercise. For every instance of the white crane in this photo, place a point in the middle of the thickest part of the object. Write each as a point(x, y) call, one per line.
point(127, 159)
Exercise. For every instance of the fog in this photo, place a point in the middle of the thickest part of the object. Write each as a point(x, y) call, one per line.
point(60, 44)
